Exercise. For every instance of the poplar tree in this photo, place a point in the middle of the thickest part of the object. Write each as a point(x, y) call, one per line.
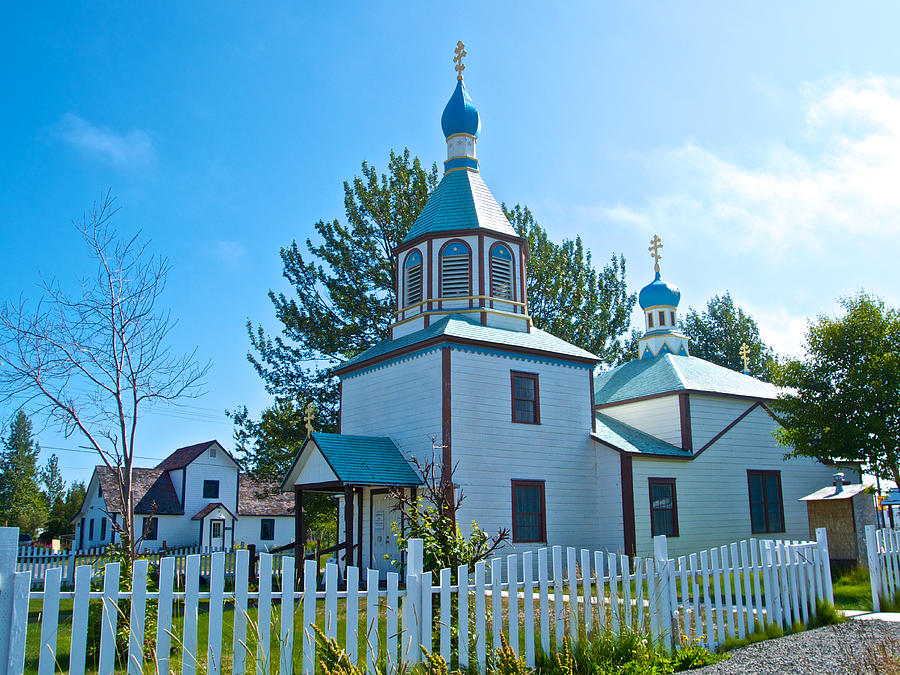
point(344, 294)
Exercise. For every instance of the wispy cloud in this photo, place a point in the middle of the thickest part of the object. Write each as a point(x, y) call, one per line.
point(849, 185)
point(129, 150)
point(229, 252)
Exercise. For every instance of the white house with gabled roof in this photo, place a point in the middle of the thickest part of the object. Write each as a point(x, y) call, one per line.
point(195, 497)
point(665, 444)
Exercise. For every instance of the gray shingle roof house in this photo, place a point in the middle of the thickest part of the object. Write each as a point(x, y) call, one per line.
point(197, 496)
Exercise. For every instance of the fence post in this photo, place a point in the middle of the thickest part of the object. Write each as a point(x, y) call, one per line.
point(9, 542)
point(663, 591)
point(874, 560)
point(252, 549)
point(412, 616)
point(822, 541)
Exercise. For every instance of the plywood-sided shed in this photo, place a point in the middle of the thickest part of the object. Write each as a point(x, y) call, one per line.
point(843, 510)
point(345, 465)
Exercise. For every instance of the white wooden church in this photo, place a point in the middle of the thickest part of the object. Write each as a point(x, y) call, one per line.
point(665, 444)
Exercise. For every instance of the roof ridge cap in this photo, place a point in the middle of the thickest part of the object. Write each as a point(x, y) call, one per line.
point(677, 370)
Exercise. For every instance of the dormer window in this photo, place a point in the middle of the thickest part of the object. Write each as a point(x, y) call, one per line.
point(412, 270)
point(456, 270)
point(501, 272)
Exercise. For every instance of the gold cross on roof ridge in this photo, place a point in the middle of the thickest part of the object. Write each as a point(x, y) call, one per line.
point(655, 245)
point(309, 415)
point(745, 356)
point(459, 52)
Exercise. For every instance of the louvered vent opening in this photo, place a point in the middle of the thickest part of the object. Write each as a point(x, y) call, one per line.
point(414, 284)
point(455, 275)
point(501, 278)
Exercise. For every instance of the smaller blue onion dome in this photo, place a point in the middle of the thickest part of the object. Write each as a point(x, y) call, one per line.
point(659, 292)
point(460, 116)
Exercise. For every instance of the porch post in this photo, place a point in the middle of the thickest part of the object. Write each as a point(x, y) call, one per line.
point(348, 524)
point(359, 525)
point(299, 529)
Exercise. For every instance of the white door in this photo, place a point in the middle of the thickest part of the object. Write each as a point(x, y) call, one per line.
point(217, 535)
point(384, 546)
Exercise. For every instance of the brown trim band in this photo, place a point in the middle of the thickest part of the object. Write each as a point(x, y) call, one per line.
point(699, 392)
point(684, 413)
point(628, 505)
point(467, 232)
point(728, 428)
point(441, 339)
point(446, 426)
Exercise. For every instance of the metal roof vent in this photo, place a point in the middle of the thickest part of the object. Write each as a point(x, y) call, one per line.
point(838, 482)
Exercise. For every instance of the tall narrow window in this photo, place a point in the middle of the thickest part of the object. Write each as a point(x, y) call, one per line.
point(526, 405)
point(662, 318)
point(267, 529)
point(103, 529)
point(501, 272)
point(149, 529)
point(455, 270)
point(413, 271)
point(766, 505)
point(649, 319)
point(91, 530)
point(663, 507)
point(529, 516)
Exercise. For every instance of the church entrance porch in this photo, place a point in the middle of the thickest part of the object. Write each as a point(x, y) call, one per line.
point(360, 472)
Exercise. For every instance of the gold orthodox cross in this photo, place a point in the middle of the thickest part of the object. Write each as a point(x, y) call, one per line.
point(745, 356)
point(458, 59)
point(309, 414)
point(655, 245)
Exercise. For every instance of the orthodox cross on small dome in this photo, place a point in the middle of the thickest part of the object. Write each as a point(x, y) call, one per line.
point(745, 357)
point(459, 52)
point(655, 245)
point(309, 415)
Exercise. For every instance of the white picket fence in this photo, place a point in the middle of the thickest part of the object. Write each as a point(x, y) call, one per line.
point(534, 600)
point(883, 553)
point(38, 560)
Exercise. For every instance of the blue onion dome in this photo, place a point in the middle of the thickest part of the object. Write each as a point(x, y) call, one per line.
point(659, 292)
point(460, 115)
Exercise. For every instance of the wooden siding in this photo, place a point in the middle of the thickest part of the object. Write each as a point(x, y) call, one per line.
point(582, 481)
point(659, 417)
point(713, 502)
point(709, 415)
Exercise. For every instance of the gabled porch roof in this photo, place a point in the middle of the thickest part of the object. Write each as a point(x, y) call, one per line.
point(346, 460)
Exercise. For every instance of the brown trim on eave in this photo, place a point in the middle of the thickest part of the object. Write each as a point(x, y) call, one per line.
point(466, 232)
point(481, 265)
point(593, 416)
point(630, 540)
point(340, 404)
point(461, 341)
point(728, 428)
point(684, 414)
point(446, 426)
point(698, 392)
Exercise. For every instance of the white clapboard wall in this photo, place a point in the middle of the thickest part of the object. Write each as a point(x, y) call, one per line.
point(533, 601)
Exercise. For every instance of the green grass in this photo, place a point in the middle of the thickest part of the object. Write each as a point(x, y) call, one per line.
point(852, 589)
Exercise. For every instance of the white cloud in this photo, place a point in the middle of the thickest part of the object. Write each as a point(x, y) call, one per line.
point(849, 185)
point(229, 252)
point(132, 149)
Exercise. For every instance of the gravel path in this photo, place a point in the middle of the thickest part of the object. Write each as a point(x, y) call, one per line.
point(848, 648)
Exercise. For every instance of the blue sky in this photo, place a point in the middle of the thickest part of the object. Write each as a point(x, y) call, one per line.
point(761, 141)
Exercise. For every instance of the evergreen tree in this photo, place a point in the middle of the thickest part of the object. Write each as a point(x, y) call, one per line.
point(344, 296)
point(718, 332)
point(52, 480)
point(21, 500)
point(59, 521)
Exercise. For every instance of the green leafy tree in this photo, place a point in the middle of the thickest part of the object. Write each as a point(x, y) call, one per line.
point(846, 400)
point(718, 332)
point(344, 297)
point(568, 297)
point(21, 500)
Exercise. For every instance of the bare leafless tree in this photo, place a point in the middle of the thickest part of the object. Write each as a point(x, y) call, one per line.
point(93, 359)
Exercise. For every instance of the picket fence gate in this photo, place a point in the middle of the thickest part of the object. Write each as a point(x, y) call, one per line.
point(710, 596)
point(38, 560)
point(883, 554)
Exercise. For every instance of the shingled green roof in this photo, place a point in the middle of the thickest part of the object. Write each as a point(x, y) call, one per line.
point(461, 201)
point(673, 373)
point(366, 460)
point(626, 438)
point(460, 326)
